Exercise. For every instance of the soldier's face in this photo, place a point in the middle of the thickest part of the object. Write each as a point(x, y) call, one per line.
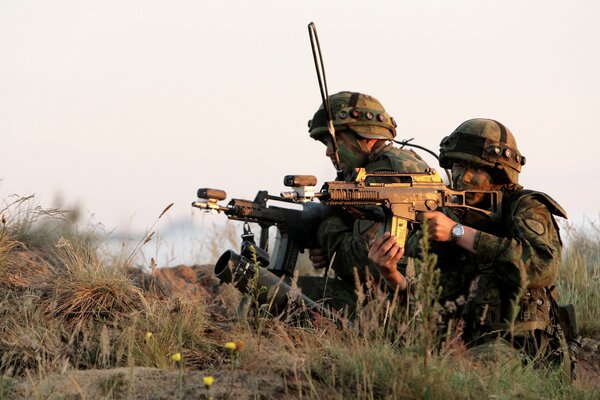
point(350, 154)
point(471, 177)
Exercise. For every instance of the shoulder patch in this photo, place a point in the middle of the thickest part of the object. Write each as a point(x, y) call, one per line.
point(535, 226)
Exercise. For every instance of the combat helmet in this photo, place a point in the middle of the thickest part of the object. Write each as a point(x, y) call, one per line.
point(359, 112)
point(484, 142)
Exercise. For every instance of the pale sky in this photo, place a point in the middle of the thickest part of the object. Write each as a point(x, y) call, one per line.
point(127, 106)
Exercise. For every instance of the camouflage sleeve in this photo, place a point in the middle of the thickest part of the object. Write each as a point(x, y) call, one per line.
point(348, 241)
point(531, 250)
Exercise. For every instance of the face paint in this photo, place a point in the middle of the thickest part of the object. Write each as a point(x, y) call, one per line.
point(351, 153)
point(349, 158)
point(470, 177)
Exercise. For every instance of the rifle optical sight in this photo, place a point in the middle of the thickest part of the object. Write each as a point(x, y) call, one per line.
point(216, 194)
point(299, 180)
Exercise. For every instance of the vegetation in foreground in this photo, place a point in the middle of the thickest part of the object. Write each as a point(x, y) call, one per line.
point(67, 307)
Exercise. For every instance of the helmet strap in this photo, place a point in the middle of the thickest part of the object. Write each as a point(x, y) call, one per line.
point(366, 145)
point(334, 145)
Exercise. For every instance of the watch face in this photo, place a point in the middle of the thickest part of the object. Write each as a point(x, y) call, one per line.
point(457, 231)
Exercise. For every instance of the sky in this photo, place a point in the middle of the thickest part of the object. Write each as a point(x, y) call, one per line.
point(124, 107)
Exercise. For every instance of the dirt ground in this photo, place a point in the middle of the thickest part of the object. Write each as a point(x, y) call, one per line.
point(588, 367)
point(151, 383)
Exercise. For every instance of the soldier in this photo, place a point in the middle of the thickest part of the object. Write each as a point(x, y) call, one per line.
point(363, 130)
point(494, 266)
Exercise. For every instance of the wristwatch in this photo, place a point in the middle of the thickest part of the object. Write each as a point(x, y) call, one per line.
point(456, 233)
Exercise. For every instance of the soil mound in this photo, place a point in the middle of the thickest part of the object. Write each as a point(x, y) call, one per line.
point(182, 280)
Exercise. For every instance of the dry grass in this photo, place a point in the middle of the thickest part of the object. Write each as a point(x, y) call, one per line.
point(166, 321)
point(80, 314)
point(88, 313)
point(6, 247)
point(28, 339)
point(579, 278)
point(84, 288)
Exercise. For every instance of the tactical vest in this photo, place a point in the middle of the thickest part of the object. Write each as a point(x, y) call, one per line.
point(489, 309)
point(541, 327)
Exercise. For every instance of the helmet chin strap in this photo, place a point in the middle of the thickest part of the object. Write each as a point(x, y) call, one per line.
point(366, 145)
point(335, 147)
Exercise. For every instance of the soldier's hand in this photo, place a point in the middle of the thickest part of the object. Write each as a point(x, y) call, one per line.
point(439, 226)
point(318, 257)
point(385, 254)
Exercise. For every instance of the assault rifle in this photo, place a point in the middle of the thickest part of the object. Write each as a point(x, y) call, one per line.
point(402, 200)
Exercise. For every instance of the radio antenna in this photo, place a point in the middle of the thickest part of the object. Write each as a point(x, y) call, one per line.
point(320, 68)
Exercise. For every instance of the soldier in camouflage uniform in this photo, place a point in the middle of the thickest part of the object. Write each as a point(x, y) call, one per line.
point(493, 265)
point(363, 130)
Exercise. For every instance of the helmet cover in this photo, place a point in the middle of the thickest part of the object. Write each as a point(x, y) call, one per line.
point(484, 142)
point(360, 113)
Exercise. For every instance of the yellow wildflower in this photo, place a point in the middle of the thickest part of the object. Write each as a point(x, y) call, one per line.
point(208, 381)
point(176, 357)
point(148, 336)
point(231, 346)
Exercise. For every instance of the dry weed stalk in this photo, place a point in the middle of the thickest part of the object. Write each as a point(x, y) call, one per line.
point(148, 235)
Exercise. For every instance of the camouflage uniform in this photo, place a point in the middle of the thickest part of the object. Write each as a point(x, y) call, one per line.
point(347, 236)
point(523, 250)
point(516, 259)
point(344, 237)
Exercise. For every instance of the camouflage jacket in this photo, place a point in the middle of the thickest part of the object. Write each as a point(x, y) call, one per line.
point(347, 236)
point(514, 261)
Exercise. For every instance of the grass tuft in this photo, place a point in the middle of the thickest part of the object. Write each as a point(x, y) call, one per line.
point(578, 282)
point(85, 288)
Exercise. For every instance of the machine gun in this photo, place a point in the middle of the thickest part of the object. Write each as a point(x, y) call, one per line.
point(296, 228)
point(402, 200)
point(253, 272)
